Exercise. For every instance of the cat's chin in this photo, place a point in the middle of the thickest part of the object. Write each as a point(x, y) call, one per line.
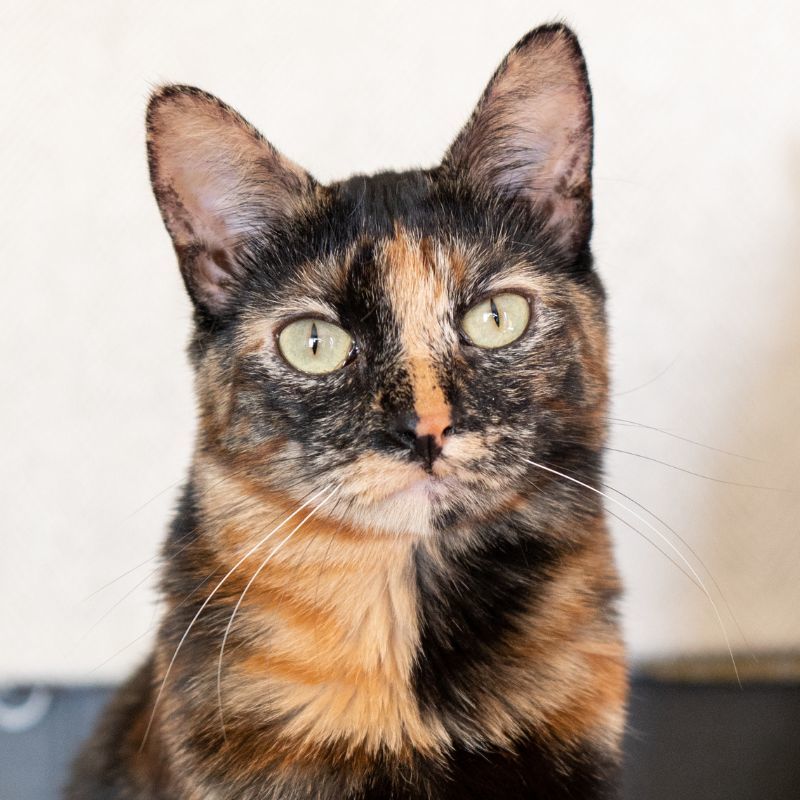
point(412, 507)
point(408, 508)
point(428, 488)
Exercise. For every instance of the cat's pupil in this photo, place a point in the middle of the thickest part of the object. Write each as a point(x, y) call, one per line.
point(495, 313)
point(314, 339)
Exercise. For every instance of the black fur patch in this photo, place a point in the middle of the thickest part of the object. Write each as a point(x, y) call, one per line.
point(527, 772)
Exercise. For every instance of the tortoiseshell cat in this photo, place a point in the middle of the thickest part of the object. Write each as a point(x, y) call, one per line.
point(386, 577)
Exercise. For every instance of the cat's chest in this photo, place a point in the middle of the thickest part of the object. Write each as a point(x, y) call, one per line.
point(329, 634)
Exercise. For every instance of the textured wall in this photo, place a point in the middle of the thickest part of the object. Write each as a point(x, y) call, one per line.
point(698, 204)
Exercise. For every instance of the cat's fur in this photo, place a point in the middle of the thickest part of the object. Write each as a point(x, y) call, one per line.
point(448, 633)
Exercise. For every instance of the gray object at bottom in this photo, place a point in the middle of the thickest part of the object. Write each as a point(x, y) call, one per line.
point(686, 742)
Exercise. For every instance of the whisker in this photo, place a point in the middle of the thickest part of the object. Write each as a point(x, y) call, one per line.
point(647, 383)
point(661, 536)
point(254, 503)
point(208, 599)
point(122, 650)
point(120, 577)
point(154, 498)
point(310, 542)
point(696, 474)
point(693, 552)
point(630, 422)
point(188, 535)
point(279, 460)
point(153, 627)
point(141, 564)
point(247, 587)
point(118, 603)
point(653, 544)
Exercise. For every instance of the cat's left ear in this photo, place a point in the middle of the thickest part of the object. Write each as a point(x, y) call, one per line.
point(219, 185)
point(530, 137)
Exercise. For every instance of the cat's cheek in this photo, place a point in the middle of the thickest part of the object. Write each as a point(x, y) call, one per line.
point(462, 451)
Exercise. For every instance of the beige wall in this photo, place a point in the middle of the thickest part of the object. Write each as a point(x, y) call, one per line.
point(697, 238)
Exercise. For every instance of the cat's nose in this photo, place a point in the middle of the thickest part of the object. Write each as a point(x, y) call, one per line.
point(423, 436)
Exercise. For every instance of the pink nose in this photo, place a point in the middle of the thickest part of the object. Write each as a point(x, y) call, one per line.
point(437, 425)
point(422, 435)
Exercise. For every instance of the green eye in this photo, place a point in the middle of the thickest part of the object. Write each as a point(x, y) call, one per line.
point(497, 321)
point(315, 346)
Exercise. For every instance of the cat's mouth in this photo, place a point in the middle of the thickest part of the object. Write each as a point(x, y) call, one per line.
point(403, 488)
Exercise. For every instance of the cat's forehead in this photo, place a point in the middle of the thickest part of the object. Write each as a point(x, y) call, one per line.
point(414, 271)
point(379, 201)
point(400, 243)
point(419, 273)
point(413, 234)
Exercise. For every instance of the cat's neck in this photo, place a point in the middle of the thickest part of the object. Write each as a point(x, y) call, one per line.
point(326, 621)
point(378, 643)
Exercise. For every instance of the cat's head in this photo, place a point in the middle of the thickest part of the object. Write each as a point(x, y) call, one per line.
point(412, 339)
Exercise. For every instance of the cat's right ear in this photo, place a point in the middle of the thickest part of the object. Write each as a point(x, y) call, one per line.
point(219, 185)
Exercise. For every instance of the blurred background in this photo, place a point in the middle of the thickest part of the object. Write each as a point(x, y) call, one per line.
point(697, 198)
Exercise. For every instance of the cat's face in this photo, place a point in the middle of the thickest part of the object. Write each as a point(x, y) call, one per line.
point(407, 341)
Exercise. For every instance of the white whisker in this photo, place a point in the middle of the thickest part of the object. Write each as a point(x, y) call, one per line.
point(653, 544)
point(697, 474)
point(633, 424)
point(691, 550)
point(661, 536)
point(247, 587)
point(227, 575)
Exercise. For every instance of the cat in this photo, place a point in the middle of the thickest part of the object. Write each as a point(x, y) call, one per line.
point(387, 576)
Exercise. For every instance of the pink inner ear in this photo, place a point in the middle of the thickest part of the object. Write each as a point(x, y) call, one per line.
point(218, 194)
point(218, 182)
point(552, 133)
point(531, 135)
point(544, 107)
point(213, 279)
point(556, 177)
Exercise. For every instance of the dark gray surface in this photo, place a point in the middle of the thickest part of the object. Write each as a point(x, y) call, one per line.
point(718, 742)
point(686, 743)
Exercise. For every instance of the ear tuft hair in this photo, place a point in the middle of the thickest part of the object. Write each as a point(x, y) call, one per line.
point(530, 136)
point(218, 184)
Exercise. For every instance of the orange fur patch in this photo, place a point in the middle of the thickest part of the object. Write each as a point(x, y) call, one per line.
point(330, 630)
point(417, 284)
